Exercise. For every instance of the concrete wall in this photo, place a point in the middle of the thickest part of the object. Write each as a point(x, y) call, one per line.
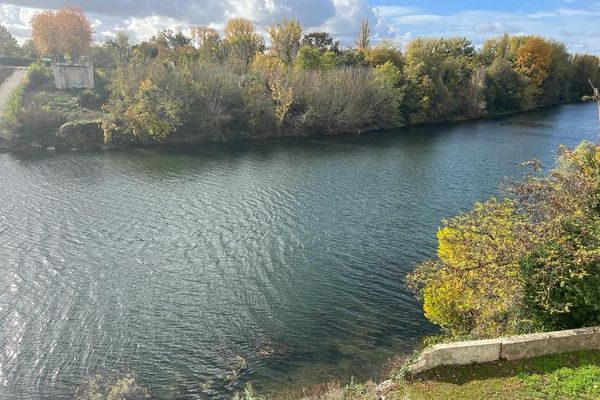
point(73, 76)
point(509, 348)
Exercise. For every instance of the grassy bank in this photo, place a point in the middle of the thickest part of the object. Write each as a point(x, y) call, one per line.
point(557, 377)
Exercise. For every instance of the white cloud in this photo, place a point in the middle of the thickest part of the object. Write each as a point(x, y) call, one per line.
point(578, 24)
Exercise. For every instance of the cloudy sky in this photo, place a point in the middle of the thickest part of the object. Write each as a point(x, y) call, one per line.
point(575, 22)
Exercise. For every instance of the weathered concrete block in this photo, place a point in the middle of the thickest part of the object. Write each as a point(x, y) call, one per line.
point(460, 353)
point(69, 76)
point(540, 344)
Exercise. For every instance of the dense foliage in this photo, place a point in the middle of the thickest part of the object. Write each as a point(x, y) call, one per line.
point(208, 87)
point(63, 34)
point(528, 261)
point(8, 44)
point(180, 88)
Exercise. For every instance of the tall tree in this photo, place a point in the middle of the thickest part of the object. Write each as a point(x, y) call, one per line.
point(120, 47)
point(28, 49)
point(362, 41)
point(533, 59)
point(285, 39)
point(8, 44)
point(64, 33)
point(242, 41)
point(207, 41)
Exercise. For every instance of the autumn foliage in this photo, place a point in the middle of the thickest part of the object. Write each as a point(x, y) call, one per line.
point(65, 33)
point(530, 261)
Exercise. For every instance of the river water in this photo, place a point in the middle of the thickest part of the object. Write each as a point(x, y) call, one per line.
point(278, 262)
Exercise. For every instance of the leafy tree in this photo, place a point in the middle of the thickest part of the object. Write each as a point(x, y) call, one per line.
point(585, 68)
point(282, 92)
point(390, 76)
point(321, 41)
point(330, 60)
point(504, 87)
point(496, 48)
point(473, 286)
point(120, 48)
point(350, 57)
point(168, 41)
point(562, 276)
point(382, 53)
point(208, 42)
point(66, 33)
point(308, 57)
point(556, 86)
point(442, 80)
point(311, 58)
point(158, 101)
point(243, 43)
point(28, 49)
point(8, 44)
point(144, 51)
point(533, 60)
point(285, 39)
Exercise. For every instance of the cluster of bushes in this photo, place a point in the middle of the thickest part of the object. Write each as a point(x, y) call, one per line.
point(208, 87)
point(528, 261)
point(190, 101)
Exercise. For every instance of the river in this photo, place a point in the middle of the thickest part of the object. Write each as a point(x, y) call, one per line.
point(277, 262)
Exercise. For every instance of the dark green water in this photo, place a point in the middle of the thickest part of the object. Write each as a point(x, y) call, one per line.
point(290, 254)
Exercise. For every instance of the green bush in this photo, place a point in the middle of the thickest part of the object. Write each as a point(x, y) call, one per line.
point(39, 76)
point(531, 261)
point(159, 101)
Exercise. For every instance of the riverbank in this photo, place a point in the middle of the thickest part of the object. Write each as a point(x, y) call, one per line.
point(88, 135)
point(558, 377)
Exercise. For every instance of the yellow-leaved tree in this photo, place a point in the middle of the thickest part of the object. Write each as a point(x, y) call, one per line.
point(473, 285)
point(285, 39)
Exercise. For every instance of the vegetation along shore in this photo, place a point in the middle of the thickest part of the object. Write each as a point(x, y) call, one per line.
point(177, 88)
point(524, 261)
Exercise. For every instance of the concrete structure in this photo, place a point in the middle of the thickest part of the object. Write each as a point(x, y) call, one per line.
point(509, 348)
point(73, 76)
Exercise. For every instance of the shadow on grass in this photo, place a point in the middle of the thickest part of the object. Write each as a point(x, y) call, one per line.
point(546, 365)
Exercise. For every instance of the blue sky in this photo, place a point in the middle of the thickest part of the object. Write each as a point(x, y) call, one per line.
point(575, 22)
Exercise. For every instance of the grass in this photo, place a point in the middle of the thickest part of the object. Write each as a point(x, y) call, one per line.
point(556, 377)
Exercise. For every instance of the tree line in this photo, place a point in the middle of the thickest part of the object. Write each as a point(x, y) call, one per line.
point(205, 85)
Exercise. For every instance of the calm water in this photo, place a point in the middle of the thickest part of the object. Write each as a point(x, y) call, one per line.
point(289, 254)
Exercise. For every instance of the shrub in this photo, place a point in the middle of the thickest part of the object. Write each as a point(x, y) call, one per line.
point(39, 76)
point(530, 261)
point(473, 286)
point(13, 107)
point(37, 123)
point(345, 100)
point(160, 101)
